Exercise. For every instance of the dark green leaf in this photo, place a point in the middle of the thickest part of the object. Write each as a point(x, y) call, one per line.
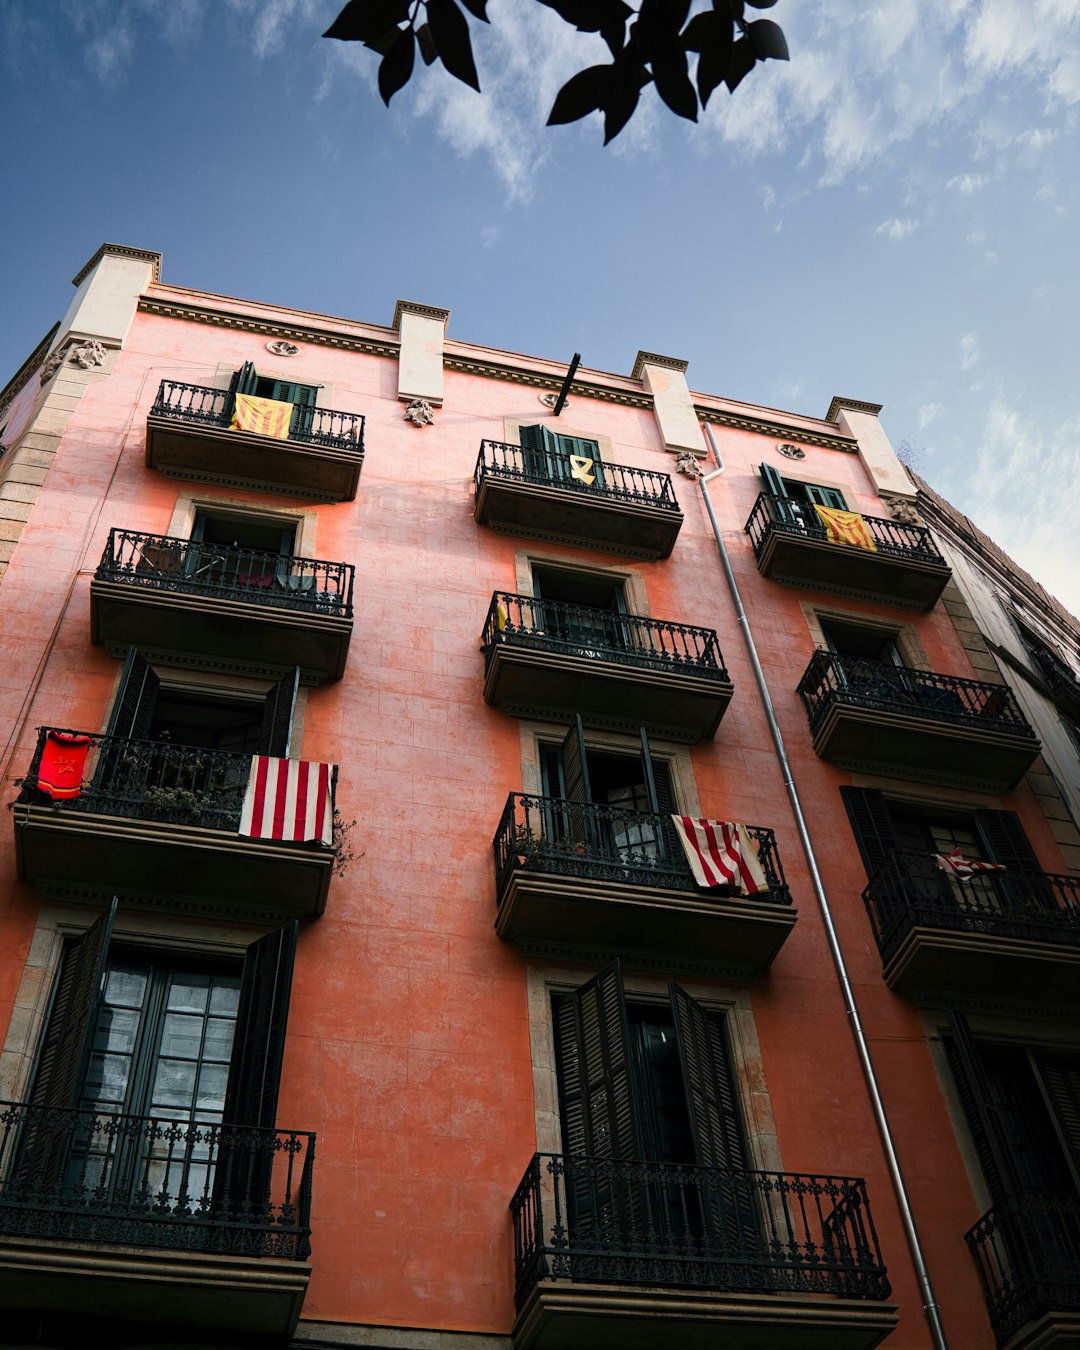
point(478, 8)
point(673, 83)
point(384, 41)
point(591, 16)
point(367, 20)
point(397, 65)
point(761, 4)
point(450, 29)
point(701, 31)
point(741, 64)
point(767, 39)
point(629, 77)
point(582, 94)
point(732, 9)
point(427, 43)
point(714, 60)
point(619, 111)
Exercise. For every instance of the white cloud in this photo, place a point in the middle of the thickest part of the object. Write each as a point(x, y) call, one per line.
point(895, 230)
point(968, 183)
point(928, 412)
point(969, 351)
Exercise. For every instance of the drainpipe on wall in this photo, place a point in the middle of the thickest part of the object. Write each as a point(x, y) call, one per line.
point(930, 1306)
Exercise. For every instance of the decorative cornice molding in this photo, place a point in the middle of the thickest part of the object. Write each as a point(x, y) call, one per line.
point(653, 359)
point(412, 307)
point(855, 404)
point(518, 375)
point(785, 431)
point(120, 251)
point(175, 309)
point(22, 375)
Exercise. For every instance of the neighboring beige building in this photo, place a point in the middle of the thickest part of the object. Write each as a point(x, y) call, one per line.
point(1032, 639)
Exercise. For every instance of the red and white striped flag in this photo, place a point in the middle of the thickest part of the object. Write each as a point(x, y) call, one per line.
point(288, 799)
point(721, 853)
point(964, 868)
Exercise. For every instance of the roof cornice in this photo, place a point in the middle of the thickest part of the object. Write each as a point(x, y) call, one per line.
point(766, 426)
point(120, 251)
point(247, 323)
point(854, 404)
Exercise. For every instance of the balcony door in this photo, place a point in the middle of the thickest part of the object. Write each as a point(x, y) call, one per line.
point(793, 502)
point(582, 611)
point(237, 554)
point(572, 461)
point(247, 380)
point(147, 1057)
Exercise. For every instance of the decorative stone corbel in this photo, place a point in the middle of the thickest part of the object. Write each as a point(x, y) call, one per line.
point(687, 463)
point(420, 413)
point(901, 509)
point(88, 354)
point(53, 363)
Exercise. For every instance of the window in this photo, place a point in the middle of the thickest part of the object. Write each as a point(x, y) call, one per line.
point(635, 787)
point(302, 396)
point(136, 1035)
point(583, 609)
point(551, 457)
point(238, 551)
point(795, 501)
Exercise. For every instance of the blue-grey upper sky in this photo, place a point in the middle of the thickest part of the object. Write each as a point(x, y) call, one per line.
point(892, 216)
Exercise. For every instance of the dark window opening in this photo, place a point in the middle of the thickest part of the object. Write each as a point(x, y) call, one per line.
point(262, 535)
point(579, 588)
point(206, 722)
point(851, 639)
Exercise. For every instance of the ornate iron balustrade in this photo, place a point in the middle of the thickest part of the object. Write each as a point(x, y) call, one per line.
point(1064, 685)
point(223, 572)
point(604, 634)
point(609, 843)
point(789, 516)
point(608, 1222)
point(154, 780)
point(619, 482)
point(203, 406)
point(834, 678)
point(100, 1176)
point(910, 891)
point(1027, 1250)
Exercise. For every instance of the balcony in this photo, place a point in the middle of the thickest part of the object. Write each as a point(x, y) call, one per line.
point(586, 882)
point(534, 495)
point(158, 825)
point(120, 1221)
point(1063, 685)
point(185, 602)
point(1016, 931)
point(791, 545)
point(875, 717)
point(628, 1256)
point(548, 659)
point(1027, 1249)
point(188, 435)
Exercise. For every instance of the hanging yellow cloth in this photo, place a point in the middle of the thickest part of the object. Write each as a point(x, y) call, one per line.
point(264, 416)
point(846, 527)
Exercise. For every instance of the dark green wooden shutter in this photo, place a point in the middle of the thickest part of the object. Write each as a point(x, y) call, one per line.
point(303, 395)
point(575, 763)
point(540, 452)
point(773, 482)
point(277, 718)
point(133, 710)
point(824, 496)
point(978, 1103)
point(657, 774)
point(871, 823)
point(1004, 840)
point(1061, 1084)
point(595, 1085)
point(243, 380)
point(259, 1044)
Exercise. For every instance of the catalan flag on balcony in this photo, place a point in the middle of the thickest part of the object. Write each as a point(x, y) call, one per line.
point(846, 527)
point(964, 868)
point(63, 758)
point(264, 416)
point(288, 799)
point(721, 853)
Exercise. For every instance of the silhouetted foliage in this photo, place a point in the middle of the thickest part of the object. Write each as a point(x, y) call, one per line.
point(657, 43)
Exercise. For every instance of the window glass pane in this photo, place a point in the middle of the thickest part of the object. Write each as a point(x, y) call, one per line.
point(217, 1045)
point(107, 1079)
point(225, 994)
point(126, 986)
point(189, 991)
point(174, 1084)
point(211, 1093)
point(117, 1029)
point(181, 1036)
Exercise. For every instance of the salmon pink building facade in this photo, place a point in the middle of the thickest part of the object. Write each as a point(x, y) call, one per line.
point(503, 856)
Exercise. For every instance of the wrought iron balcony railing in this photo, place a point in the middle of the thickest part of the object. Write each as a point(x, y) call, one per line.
point(155, 780)
point(142, 1181)
point(910, 891)
point(608, 1222)
point(609, 843)
point(786, 515)
point(1027, 1249)
point(832, 678)
point(161, 562)
point(603, 634)
point(1064, 685)
point(203, 406)
point(617, 482)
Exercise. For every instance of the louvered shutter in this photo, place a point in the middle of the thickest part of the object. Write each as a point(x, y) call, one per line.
point(823, 496)
point(579, 824)
point(1004, 841)
point(540, 452)
point(586, 449)
point(657, 774)
point(277, 718)
point(727, 1198)
point(1061, 1085)
point(979, 1107)
point(871, 823)
point(133, 710)
point(259, 1042)
point(781, 507)
point(64, 1056)
point(242, 382)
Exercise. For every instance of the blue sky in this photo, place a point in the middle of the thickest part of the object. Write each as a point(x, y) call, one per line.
point(893, 216)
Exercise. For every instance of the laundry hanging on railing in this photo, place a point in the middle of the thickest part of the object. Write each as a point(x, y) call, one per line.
point(846, 527)
point(721, 853)
point(964, 868)
point(288, 799)
point(63, 758)
point(264, 416)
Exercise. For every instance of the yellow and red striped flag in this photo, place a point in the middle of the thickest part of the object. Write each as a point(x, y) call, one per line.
point(264, 416)
point(846, 527)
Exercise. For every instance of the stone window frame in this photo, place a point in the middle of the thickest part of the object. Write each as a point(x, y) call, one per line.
point(545, 981)
point(304, 520)
point(324, 393)
point(897, 630)
point(631, 578)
